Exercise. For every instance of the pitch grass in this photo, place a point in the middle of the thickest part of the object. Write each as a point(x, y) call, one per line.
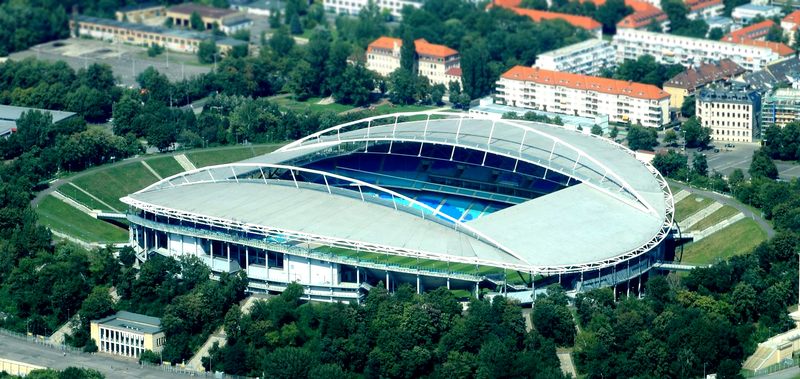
point(165, 166)
point(689, 206)
point(202, 158)
point(115, 182)
point(715, 218)
point(59, 216)
point(738, 238)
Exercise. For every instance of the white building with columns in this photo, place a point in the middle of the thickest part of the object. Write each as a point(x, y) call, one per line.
point(127, 334)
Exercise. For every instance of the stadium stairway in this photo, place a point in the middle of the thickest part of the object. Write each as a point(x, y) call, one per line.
point(699, 215)
point(715, 228)
point(758, 360)
point(682, 194)
point(185, 163)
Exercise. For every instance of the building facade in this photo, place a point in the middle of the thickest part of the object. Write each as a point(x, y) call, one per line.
point(732, 113)
point(757, 31)
point(789, 25)
point(780, 107)
point(127, 334)
point(139, 13)
point(439, 63)
point(183, 41)
point(686, 83)
point(582, 95)
point(704, 9)
point(227, 20)
point(353, 7)
point(744, 14)
point(587, 57)
point(687, 51)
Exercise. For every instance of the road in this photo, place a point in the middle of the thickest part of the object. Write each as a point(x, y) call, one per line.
point(789, 373)
point(727, 200)
point(111, 367)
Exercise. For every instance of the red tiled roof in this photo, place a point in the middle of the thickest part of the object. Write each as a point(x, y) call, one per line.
point(453, 71)
point(695, 5)
point(706, 73)
point(777, 47)
point(422, 46)
point(585, 82)
point(755, 31)
point(584, 22)
point(793, 17)
point(643, 14)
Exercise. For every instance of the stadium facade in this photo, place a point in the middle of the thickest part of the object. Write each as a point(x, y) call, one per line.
point(430, 199)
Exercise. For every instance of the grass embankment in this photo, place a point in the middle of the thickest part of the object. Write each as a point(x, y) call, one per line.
point(689, 206)
point(715, 218)
point(114, 182)
point(165, 166)
point(202, 158)
point(61, 217)
point(738, 238)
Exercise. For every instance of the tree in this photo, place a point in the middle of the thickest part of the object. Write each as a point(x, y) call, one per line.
point(437, 94)
point(294, 25)
point(289, 363)
point(642, 138)
point(715, 34)
point(670, 137)
point(196, 22)
point(688, 107)
point(402, 86)
point(356, 85)
point(670, 164)
point(597, 130)
point(408, 53)
point(207, 51)
point(762, 166)
point(696, 135)
point(775, 34)
point(281, 41)
point(700, 164)
point(610, 13)
point(554, 320)
point(154, 50)
point(476, 76)
point(614, 132)
point(676, 12)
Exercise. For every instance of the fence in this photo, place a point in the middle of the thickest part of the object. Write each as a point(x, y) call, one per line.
point(40, 340)
point(782, 365)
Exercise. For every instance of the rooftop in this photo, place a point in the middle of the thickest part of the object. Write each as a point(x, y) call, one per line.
point(777, 47)
point(706, 73)
point(585, 82)
point(793, 17)
point(11, 113)
point(757, 30)
point(584, 22)
point(696, 5)
point(132, 321)
point(138, 7)
point(735, 94)
point(569, 49)
point(181, 33)
point(756, 8)
point(202, 10)
point(422, 46)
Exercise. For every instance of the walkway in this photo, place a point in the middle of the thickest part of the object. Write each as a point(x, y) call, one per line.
point(727, 200)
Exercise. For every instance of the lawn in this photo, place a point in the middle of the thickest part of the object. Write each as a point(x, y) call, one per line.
point(715, 218)
point(391, 108)
point(202, 158)
point(739, 238)
point(114, 182)
point(690, 206)
point(81, 197)
point(309, 105)
point(57, 215)
point(165, 166)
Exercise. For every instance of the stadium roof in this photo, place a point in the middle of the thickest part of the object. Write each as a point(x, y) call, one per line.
point(621, 208)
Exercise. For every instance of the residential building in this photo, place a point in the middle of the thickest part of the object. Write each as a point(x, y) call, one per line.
point(436, 62)
point(583, 22)
point(587, 57)
point(260, 7)
point(644, 14)
point(780, 107)
point(789, 25)
point(732, 113)
point(9, 115)
point(720, 22)
point(744, 14)
point(688, 82)
point(582, 95)
point(757, 31)
point(127, 334)
point(140, 12)
point(778, 48)
point(704, 9)
point(178, 40)
point(487, 107)
point(780, 73)
point(227, 20)
point(667, 48)
point(353, 7)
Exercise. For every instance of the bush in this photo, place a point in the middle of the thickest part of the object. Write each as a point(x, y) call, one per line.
point(154, 50)
point(149, 356)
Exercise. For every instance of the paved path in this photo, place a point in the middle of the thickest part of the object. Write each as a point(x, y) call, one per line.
point(111, 367)
point(727, 200)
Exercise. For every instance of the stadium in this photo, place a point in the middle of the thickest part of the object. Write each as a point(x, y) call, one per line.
point(430, 199)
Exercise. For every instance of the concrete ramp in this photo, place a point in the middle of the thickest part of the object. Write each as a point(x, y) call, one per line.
point(185, 163)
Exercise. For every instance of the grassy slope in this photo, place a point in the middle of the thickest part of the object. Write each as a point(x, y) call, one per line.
point(202, 158)
point(115, 182)
point(61, 217)
point(165, 166)
point(739, 238)
point(690, 206)
point(719, 215)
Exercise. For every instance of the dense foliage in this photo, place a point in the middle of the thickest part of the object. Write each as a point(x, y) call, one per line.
point(399, 335)
point(68, 373)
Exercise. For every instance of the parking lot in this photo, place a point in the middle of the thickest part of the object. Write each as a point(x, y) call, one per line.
point(727, 159)
point(126, 61)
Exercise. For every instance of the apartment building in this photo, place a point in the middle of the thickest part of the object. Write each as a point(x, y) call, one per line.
point(183, 41)
point(704, 9)
point(644, 14)
point(744, 14)
point(439, 63)
point(789, 25)
point(689, 81)
point(757, 31)
point(353, 7)
point(227, 20)
point(732, 113)
point(780, 107)
point(127, 334)
point(667, 48)
point(588, 57)
point(582, 95)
